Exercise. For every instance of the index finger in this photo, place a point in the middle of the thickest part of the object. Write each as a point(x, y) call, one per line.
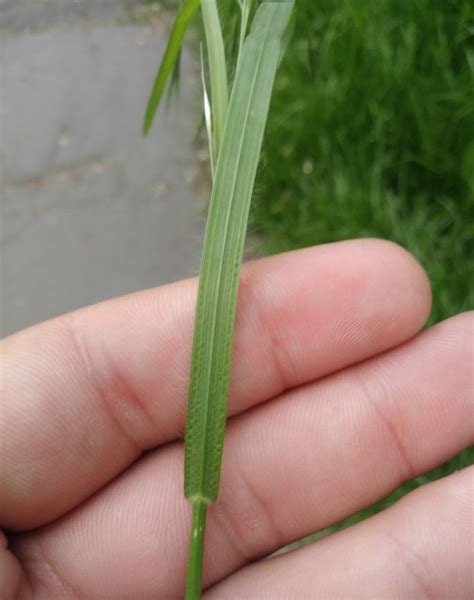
point(85, 394)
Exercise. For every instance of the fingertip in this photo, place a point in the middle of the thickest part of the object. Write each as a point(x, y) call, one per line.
point(411, 287)
point(418, 280)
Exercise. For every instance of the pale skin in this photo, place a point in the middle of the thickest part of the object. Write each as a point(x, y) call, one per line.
point(336, 399)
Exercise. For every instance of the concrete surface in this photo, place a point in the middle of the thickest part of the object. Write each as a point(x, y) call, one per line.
point(20, 15)
point(90, 209)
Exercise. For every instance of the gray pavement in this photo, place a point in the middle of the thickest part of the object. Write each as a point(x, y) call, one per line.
point(90, 209)
point(20, 15)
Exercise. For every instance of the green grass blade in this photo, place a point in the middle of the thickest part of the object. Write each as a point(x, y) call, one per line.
point(245, 6)
point(217, 71)
point(207, 118)
point(180, 25)
point(223, 246)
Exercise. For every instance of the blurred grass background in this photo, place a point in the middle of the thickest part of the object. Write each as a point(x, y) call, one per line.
point(371, 133)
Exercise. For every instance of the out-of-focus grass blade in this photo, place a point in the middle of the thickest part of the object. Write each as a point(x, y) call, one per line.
point(245, 6)
point(223, 246)
point(217, 71)
point(207, 117)
point(174, 79)
point(180, 25)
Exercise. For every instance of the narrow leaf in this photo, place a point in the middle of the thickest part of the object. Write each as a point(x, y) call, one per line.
point(217, 71)
point(207, 117)
point(223, 247)
point(180, 25)
point(245, 6)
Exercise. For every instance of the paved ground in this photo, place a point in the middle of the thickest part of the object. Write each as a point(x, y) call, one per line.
point(20, 15)
point(90, 209)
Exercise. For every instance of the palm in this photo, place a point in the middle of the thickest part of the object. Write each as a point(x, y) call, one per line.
point(334, 404)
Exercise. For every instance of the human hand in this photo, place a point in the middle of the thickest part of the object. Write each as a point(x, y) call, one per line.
point(336, 400)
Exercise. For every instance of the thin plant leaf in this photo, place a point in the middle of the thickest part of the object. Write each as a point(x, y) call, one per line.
point(217, 71)
point(180, 25)
point(245, 6)
point(235, 173)
point(175, 77)
point(174, 80)
point(223, 247)
point(207, 116)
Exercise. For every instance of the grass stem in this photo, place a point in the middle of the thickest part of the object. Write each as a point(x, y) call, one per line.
point(196, 549)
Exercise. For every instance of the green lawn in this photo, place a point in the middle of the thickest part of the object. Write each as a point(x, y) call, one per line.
point(371, 133)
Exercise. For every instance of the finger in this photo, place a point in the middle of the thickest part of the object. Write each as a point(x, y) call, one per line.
point(420, 548)
point(85, 394)
point(292, 466)
point(10, 571)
